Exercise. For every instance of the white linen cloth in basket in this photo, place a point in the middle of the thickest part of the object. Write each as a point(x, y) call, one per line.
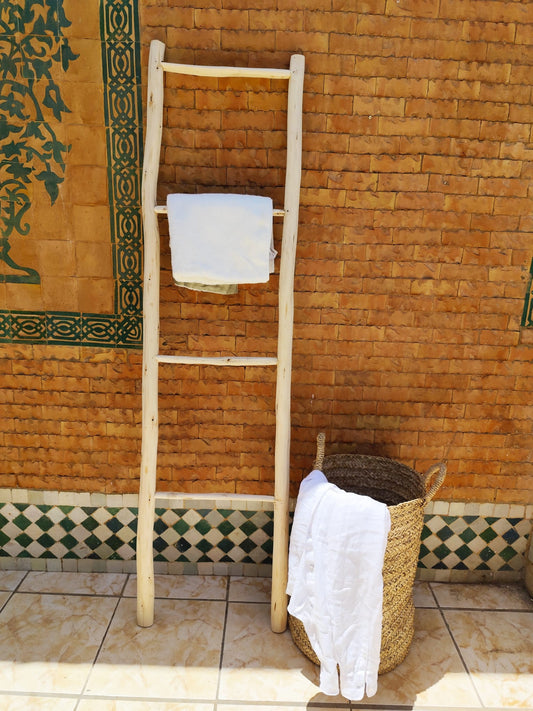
point(336, 554)
point(220, 238)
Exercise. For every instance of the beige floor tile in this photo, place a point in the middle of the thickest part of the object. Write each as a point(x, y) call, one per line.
point(50, 641)
point(259, 665)
point(422, 595)
point(431, 673)
point(260, 707)
point(482, 596)
point(4, 597)
point(9, 579)
point(186, 587)
point(148, 705)
point(36, 703)
point(177, 658)
point(74, 583)
point(250, 589)
point(498, 650)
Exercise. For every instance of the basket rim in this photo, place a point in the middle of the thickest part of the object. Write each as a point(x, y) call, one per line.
point(355, 455)
point(346, 457)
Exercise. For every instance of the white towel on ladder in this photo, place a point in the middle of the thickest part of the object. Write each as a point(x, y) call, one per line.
point(336, 555)
point(220, 238)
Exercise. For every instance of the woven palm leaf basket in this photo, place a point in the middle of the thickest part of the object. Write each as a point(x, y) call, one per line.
point(405, 492)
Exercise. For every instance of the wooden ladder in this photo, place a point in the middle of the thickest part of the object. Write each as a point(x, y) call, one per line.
point(151, 356)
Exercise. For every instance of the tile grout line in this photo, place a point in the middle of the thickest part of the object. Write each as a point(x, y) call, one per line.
point(126, 581)
point(434, 595)
point(226, 610)
point(81, 695)
point(11, 593)
point(458, 649)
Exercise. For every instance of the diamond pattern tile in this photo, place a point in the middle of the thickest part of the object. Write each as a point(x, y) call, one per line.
point(473, 543)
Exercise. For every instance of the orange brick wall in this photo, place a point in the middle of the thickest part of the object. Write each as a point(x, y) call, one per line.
point(413, 256)
point(69, 418)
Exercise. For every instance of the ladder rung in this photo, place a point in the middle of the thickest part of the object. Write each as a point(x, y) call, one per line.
point(225, 496)
point(162, 210)
point(216, 360)
point(210, 71)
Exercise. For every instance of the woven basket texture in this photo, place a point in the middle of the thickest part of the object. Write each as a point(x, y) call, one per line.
point(404, 491)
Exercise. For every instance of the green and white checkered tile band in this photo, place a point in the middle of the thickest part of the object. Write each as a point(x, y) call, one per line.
point(58, 526)
point(183, 535)
point(473, 543)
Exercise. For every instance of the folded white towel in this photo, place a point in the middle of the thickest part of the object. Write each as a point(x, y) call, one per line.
point(336, 554)
point(219, 238)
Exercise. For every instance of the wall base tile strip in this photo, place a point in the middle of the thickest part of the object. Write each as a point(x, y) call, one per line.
point(71, 531)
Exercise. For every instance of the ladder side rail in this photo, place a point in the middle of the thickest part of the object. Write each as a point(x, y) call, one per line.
point(285, 336)
point(154, 123)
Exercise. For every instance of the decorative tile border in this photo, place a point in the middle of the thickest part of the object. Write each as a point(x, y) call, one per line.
point(81, 531)
point(119, 27)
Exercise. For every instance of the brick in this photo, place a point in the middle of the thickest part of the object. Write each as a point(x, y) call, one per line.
point(485, 256)
point(432, 29)
point(520, 74)
point(216, 18)
point(453, 184)
point(512, 206)
point(460, 128)
point(302, 42)
point(515, 54)
point(495, 223)
point(489, 31)
point(508, 187)
point(496, 168)
point(381, 67)
point(503, 131)
point(420, 201)
point(458, 50)
point(382, 25)
point(399, 181)
point(485, 72)
point(410, 145)
point(483, 110)
point(412, 8)
point(521, 114)
point(365, 199)
point(371, 106)
point(462, 203)
point(395, 164)
point(432, 68)
point(350, 124)
point(508, 93)
point(193, 38)
point(447, 89)
point(516, 151)
point(403, 126)
point(447, 165)
point(401, 88)
point(327, 22)
point(348, 85)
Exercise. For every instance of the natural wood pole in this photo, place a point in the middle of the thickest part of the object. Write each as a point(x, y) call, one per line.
point(213, 71)
point(285, 327)
point(145, 526)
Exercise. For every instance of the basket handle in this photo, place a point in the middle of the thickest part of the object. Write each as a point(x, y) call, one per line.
point(439, 472)
point(320, 448)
